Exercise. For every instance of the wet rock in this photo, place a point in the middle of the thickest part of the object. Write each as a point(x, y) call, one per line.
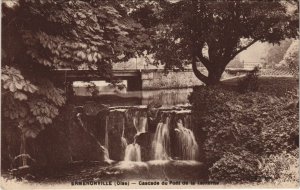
point(152, 124)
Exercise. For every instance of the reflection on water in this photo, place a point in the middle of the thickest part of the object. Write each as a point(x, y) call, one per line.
point(145, 97)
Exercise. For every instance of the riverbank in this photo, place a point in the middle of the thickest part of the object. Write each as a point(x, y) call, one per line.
point(248, 132)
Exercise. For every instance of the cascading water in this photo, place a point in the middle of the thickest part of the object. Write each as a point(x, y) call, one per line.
point(140, 123)
point(106, 135)
point(164, 147)
point(123, 139)
point(187, 141)
point(161, 141)
point(133, 153)
point(159, 145)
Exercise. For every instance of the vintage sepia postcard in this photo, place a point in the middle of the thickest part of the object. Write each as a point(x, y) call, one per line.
point(149, 94)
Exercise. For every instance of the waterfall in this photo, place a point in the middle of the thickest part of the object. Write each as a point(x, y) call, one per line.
point(140, 123)
point(106, 133)
point(161, 141)
point(187, 141)
point(123, 139)
point(133, 153)
point(187, 122)
point(149, 145)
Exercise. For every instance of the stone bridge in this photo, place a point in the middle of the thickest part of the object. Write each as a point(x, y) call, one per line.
point(149, 79)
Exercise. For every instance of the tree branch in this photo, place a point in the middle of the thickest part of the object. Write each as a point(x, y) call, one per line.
point(204, 60)
point(197, 73)
point(243, 48)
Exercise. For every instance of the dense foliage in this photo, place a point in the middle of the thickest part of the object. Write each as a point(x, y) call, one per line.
point(214, 32)
point(245, 167)
point(245, 131)
point(291, 58)
point(41, 36)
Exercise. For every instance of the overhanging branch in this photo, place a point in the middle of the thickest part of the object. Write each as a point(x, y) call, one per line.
point(243, 48)
point(204, 60)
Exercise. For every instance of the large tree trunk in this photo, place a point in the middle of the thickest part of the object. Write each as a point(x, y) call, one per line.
point(215, 72)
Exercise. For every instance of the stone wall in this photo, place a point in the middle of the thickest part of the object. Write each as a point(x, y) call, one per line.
point(173, 79)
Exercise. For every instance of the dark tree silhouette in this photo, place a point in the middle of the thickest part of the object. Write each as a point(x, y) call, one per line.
point(214, 32)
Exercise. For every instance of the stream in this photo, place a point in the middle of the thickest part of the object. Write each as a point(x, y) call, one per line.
point(149, 136)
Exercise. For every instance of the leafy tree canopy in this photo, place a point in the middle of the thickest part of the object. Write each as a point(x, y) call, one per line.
point(40, 36)
point(214, 32)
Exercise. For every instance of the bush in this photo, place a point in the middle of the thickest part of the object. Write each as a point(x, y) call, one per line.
point(291, 58)
point(250, 82)
point(282, 167)
point(235, 168)
point(245, 166)
point(241, 129)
